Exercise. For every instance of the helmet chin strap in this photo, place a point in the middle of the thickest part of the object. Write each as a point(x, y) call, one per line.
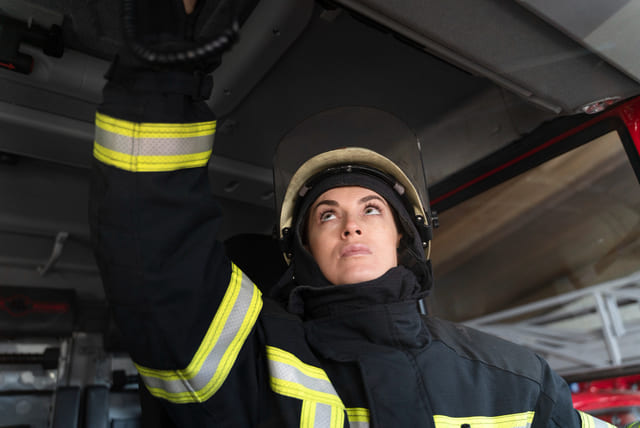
point(286, 241)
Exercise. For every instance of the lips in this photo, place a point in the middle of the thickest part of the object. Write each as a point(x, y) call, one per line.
point(355, 250)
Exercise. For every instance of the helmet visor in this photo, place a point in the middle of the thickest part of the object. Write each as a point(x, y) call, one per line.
point(344, 127)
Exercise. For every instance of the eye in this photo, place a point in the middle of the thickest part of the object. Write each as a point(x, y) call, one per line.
point(371, 210)
point(326, 216)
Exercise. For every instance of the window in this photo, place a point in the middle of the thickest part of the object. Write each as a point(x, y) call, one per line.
point(569, 223)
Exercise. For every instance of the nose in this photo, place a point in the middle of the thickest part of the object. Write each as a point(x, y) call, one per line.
point(351, 227)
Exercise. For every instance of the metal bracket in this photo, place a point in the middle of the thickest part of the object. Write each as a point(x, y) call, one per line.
point(58, 245)
point(587, 331)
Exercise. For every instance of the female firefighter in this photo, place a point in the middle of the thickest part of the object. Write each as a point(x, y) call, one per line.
point(343, 339)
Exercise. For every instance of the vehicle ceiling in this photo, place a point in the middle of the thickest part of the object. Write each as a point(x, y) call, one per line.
point(469, 76)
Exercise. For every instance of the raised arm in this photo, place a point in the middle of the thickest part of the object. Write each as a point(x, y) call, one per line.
point(186, 312)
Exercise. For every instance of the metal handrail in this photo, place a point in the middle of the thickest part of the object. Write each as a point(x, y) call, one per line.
point(594, 329)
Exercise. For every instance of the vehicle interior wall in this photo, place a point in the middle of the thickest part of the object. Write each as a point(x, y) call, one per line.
point(475, 79)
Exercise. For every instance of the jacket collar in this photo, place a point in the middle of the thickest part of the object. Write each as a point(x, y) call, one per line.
point(344, 321)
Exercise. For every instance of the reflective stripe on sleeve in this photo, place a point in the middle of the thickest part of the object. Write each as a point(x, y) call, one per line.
point(321, 405)
point(589, 421)
point(218, 350)
point(358, 417)
point(516, 420)
point(152, 147)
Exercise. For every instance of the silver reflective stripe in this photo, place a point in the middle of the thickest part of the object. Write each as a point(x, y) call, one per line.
point(319, 415)
point(359, 424)
point(322, 416)
point(153, 146)
point(292, 374)
point(217, 353)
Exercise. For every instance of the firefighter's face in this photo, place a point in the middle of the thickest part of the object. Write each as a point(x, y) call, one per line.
point(352, 235)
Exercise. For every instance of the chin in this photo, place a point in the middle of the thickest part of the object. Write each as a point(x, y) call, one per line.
point(355, 276)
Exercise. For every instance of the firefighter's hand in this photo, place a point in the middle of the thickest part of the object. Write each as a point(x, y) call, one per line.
point(183, 35)
point(161, 22)
point(189, 6)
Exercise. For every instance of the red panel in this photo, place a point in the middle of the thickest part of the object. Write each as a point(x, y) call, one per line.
point(629, 112)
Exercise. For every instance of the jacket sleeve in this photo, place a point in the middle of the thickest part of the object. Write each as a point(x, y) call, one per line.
point(184, 310)
point(557, 398)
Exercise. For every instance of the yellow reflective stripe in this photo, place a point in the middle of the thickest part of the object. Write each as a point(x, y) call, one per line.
point(293, 378)
point(151, 147)
point(358, 414)
point(154, 130)
point(218, 350)
point(516, 420)
point(337, 417)
point(308, 415)
point(586, 421)
point(589, 421)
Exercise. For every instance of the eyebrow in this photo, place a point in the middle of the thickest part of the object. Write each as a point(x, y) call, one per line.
point(370, 197)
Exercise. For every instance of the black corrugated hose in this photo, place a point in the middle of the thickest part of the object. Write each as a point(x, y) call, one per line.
point(199, 53)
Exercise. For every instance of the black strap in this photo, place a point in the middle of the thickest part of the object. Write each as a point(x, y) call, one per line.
point(197, 84)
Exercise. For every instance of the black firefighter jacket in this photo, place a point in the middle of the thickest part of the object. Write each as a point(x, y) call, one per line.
point(217, 353)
